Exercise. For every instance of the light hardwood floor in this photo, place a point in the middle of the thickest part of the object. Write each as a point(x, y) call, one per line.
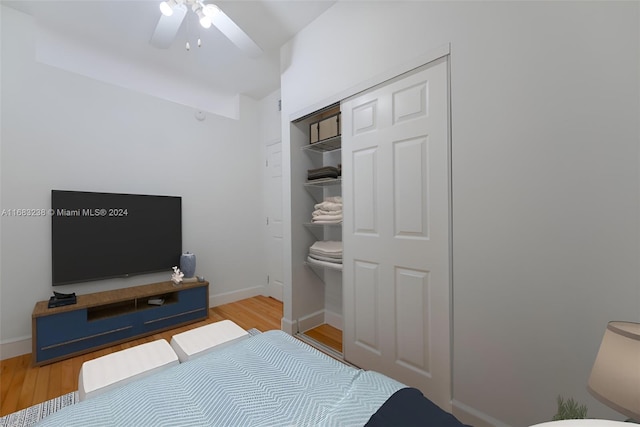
point(22, 385)
point(327, 335)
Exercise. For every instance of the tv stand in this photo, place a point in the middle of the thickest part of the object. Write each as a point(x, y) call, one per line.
point(103, 319)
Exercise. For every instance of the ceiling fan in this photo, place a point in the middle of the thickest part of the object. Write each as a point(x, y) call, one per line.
point(174, 12)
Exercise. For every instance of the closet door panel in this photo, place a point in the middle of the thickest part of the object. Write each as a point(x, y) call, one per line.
point(365, 117)
point(366, 286)
point(412, 303)
point(410, 102)
point(364, 191)
point(410, 183)
point(396, 196)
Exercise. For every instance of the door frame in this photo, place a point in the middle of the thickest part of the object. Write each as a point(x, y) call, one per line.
point(449, 202)
point(419, 61)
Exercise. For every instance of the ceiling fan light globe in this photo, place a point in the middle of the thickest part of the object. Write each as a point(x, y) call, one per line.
point(166, 8)
point(210, 10)
point(205, 21)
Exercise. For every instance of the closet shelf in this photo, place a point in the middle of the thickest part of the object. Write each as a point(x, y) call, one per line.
point(326, 266)
point(326, 145)
point(315, 224)
point(323, 182)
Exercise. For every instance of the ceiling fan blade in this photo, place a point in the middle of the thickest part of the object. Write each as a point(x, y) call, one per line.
point(235, 34)
point(167, 28)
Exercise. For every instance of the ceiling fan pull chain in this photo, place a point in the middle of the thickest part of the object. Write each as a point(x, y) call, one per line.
point(188, 45)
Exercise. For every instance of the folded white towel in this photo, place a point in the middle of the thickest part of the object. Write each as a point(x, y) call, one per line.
point(326, 254)
point(326, 247)
point(324, 263)
point(322, 221)
point(328, 206)
point(336, 258)
point(330, 254)
point(333, 199)
point(323, 212)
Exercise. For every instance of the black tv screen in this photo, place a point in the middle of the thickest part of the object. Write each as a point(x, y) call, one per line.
point(103, 235)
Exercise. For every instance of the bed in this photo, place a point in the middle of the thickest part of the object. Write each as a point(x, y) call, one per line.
point(270, 379)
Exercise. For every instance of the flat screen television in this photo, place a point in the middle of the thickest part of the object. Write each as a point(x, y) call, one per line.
point(97, 236)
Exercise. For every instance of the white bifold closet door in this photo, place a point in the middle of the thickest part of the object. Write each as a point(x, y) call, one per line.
point(396, 231)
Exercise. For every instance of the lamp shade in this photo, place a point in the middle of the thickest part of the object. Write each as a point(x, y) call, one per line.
point(615, 377)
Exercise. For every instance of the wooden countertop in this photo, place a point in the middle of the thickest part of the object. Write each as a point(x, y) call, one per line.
point(117, 295)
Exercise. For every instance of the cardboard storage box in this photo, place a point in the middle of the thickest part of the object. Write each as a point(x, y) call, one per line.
point(326, 128)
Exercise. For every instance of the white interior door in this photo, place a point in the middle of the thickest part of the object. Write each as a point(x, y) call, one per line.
point(275, 276)
point(395, 154)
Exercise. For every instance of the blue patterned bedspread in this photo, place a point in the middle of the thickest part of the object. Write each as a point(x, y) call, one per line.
point(270, 379)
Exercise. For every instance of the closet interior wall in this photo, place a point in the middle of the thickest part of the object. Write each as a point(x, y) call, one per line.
point(316, 291)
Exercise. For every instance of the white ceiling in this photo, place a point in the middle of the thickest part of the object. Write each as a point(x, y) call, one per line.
point(122, 28)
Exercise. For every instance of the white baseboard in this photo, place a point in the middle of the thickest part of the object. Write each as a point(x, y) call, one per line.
point(275, 290)
point(318, 318)
point(288, 326)
point(333, 319)
point(15, 347)
point(310, 321)
point(228, 297)
point(471, 416)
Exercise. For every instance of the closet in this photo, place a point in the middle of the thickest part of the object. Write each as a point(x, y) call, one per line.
point(391, 298)
point(317, 225)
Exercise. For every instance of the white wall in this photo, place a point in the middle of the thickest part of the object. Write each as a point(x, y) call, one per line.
point(64, 131)
point(544, 102)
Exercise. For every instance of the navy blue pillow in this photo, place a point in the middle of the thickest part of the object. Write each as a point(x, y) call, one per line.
point(407, 407)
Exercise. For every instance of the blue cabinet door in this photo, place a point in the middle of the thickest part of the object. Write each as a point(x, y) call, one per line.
point(192, 305)
point(71, 332)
